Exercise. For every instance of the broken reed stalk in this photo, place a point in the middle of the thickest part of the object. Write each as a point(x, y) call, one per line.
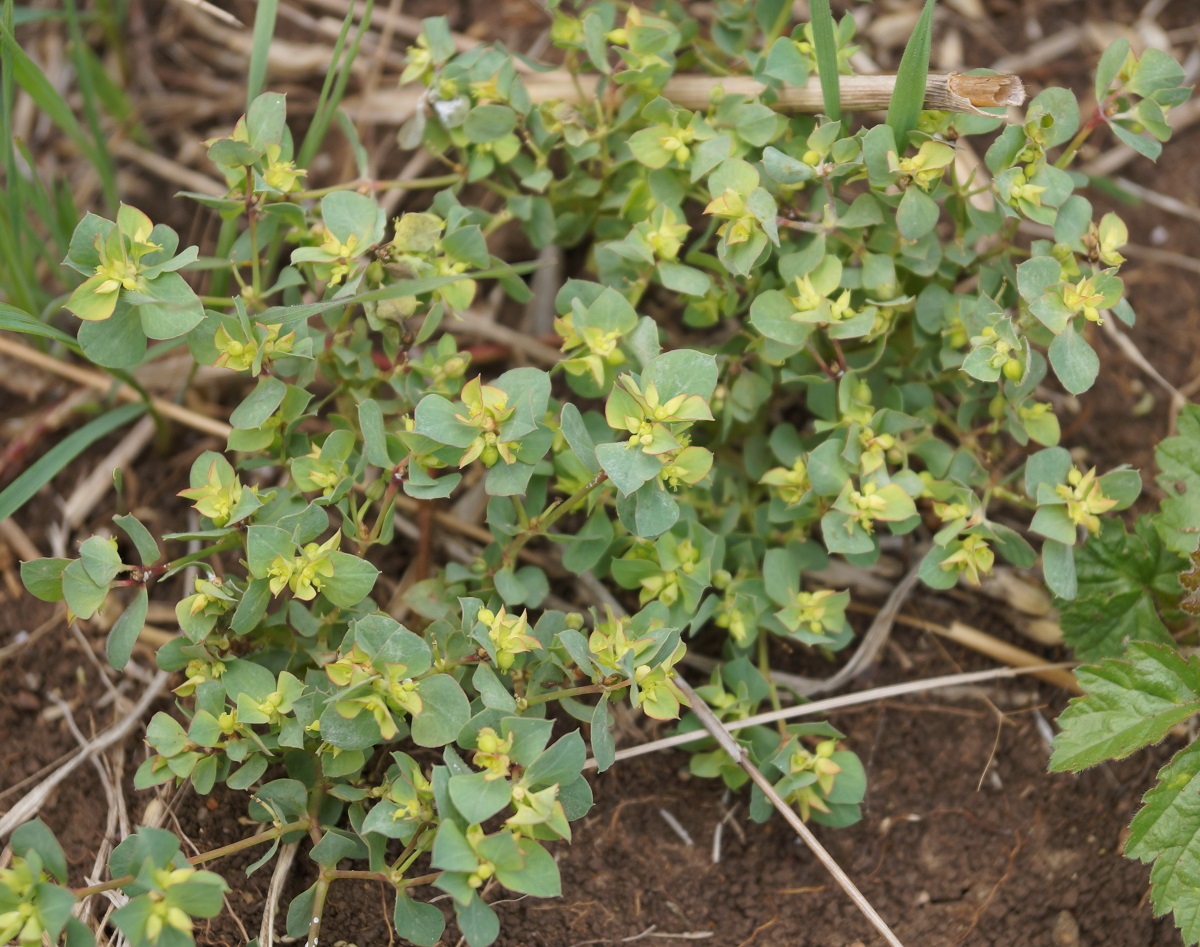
point(951, 92)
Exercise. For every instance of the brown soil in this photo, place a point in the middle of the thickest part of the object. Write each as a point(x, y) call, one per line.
point(965, 839)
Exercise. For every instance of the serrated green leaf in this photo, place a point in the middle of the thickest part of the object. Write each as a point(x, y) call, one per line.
point(1127, 704)
point(1179, 476)
point(1166, 832)
point(1124, 579)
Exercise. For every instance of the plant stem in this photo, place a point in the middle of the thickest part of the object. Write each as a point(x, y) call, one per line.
point(267, 836)
point(582, 690)
point(540, 524)
point(318, 908)
point(389, 184)
point(764, 668)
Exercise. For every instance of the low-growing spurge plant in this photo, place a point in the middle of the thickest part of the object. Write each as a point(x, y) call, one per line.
point(791, 339)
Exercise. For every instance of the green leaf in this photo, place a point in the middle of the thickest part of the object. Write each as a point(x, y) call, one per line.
point(1074, 361)
point(477, 797)
point(1127, 704)
point(84, 597)
point(147, 547)
point(351, 582)
point(1124, 580)
point(627, 467)
point(100, 559)
point(649, 511)
point(771, 314)
point(44, 578)
point(538, 875)
point(477, 921)
point(13, 319)
point(167, 307)
point(263, 545)
point(909, 96)
point(48, 466)
point(336, 846)
point(580, 440)
point(36, 836)
point(603, 746)
point(1110, 64)
point(825, 41)
point(370, 420)
point(1058, 568)
point(1179, 476)
point(560, 763)
point(260, 404)
point(486, 123)
point(445, 710)
point(1167, 832)
point(684, 279)
point(125, 630)
point(917, 214)
point(418, 922)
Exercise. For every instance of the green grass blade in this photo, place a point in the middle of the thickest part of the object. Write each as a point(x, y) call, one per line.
point(30, 77)
point(50, 464)
point(15, 251)
point(825, 41)
point(335, 84)
point(84, 77)
point(13, 319)
point(264, 33)
point(909, 97)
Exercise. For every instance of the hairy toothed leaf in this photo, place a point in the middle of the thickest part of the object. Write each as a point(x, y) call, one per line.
point(1179, 475)
point(909, 96)
point(825, 41)
point(1124, 581)
point(1166, 832)
point(1127, 704)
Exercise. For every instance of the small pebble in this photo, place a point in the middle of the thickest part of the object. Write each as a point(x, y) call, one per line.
point(1065, 932)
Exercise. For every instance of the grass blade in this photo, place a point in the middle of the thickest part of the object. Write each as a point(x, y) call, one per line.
point(14, 249)
point(50, 464)
point(825, 41)
point(909, 97)
point(264, 32)
point(84, 77)
point(335, 84)
point(15, 320)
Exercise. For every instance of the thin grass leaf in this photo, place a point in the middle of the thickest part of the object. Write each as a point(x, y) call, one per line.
point(84, 76)
point(13, 319)
point(45, 208)
point(14, 249)
point(909, 97)
point(825, 41)
point(30, 77)
point(334, 87)
point(264, 33)
point(50, 464)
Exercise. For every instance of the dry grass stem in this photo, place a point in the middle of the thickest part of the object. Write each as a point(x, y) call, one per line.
point(279, 877)
point(831, 704)
point(721, 734)
point(951, 92)
point(872, 642)
point(101, 382)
